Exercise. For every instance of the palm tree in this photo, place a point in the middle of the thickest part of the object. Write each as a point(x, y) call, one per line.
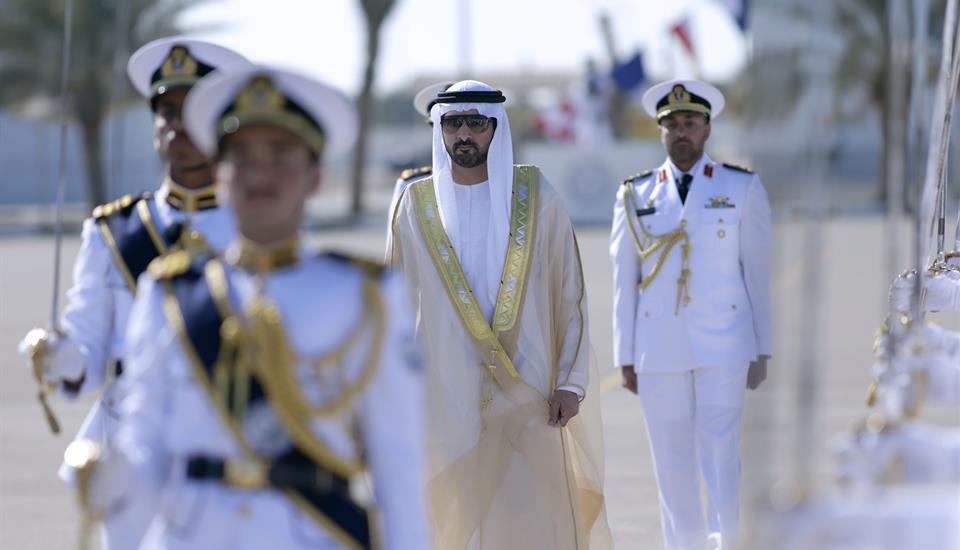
point(31, 34)
point(374, 12)
point(866, 68)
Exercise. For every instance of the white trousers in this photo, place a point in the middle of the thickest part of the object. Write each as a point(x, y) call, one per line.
point(693, 425)
point(125, 528)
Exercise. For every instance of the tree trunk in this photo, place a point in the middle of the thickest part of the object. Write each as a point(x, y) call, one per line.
point(96, 190)
point(365, 108)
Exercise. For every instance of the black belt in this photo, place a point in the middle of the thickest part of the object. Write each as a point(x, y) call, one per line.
point(242, 474)
point(117, 368)
point(326, 492)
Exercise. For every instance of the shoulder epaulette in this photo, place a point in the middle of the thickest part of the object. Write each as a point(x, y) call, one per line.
point(737, 168)
point(638, 176)
point(171, 265)
point(411, 173)
point(370, 267)
point(123, 205)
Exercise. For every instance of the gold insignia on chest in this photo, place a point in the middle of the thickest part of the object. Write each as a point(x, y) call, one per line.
point(719, 202)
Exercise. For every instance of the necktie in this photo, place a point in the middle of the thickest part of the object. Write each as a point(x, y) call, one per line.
point(683, 186)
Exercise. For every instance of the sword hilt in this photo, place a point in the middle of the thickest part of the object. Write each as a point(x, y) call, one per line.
point(37, 345)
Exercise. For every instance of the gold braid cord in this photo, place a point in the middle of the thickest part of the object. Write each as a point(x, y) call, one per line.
point(276, 370)
point(256, 344)
point(662, 243)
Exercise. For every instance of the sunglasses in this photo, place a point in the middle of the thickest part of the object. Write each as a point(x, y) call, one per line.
point(476, 123)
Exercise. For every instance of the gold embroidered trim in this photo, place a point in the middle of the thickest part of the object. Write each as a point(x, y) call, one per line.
point(519, 250)
point(255, 258)
point(190, 200)
point(516, 264)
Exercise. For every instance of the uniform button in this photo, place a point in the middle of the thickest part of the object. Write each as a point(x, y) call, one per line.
point(683, 223)
point(646, 314)
point(244, 510)
point(733, 307)
point(721, 233)
point(649, 226)
point(720, 220)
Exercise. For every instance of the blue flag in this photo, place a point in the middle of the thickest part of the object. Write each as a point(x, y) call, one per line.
point(739, 9)
point(629, 75)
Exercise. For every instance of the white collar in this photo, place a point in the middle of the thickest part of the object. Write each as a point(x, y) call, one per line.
point(695, 170)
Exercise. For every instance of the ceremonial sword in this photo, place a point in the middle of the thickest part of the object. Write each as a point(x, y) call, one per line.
point(942, 153)
point(37, 360)
point(950, 81)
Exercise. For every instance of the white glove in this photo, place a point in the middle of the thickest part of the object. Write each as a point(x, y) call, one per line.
point(102, 477)
point(943, 291)
point(931, 345)
point(901, 291)
point(60, 358)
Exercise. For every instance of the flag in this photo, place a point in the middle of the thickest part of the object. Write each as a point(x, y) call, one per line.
point(556, 122)
point(629, 75)
point(738, 9)
point(682, 33)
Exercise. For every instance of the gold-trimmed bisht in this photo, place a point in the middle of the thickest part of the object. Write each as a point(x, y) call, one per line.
point(486, 338)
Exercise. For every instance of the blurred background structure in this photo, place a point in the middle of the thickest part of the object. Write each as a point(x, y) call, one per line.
point(573, 71)
point(824, 98)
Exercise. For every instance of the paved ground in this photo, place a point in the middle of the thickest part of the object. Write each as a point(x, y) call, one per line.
point(38, 513)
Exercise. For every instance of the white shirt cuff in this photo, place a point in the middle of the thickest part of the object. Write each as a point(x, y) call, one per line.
point(581, 393)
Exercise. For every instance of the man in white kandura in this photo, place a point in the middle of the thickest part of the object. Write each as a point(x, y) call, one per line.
point(264, 382)
point(118, 243)
point(690, 249)
point(514, 457)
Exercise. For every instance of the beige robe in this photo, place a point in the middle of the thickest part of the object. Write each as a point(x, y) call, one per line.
point(500, 477)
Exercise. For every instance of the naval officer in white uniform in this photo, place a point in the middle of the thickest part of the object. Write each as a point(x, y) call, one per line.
point(263, 382)
point(690, 248)
point(120, 240)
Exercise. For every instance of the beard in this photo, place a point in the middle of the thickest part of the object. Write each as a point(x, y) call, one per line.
point(684, 151)
point(467, 154)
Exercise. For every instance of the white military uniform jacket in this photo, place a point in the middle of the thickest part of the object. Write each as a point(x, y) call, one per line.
point(407, 177)
point(99, 301)
point(726, 320)
point(170, 414)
